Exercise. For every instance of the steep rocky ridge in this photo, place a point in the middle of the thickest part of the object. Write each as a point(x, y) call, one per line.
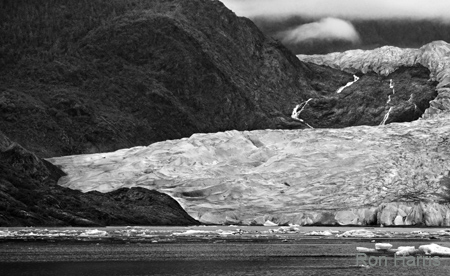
point(115, 74)
point(29, 196)
point(141, 73)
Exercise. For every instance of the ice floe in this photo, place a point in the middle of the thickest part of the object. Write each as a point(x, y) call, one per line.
point(319, 233)
point(383, 246)
point(269, 223)
point(193, 232)
point(435, 249)
point(405, 250)
point(94, 233)
point(444, 232)
point(360, 233)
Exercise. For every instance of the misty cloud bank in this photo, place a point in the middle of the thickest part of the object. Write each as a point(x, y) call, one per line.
point(347, 9)
point(327, 28)
point(324, 26)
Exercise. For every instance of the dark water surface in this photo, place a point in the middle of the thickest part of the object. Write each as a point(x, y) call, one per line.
point(305, 258)
point(282, 266)
point(283, 254)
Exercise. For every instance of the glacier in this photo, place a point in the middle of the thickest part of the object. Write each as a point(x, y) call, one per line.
point(389, 175)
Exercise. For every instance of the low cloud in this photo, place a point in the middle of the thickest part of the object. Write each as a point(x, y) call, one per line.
point(327, 28)
point(349, 9)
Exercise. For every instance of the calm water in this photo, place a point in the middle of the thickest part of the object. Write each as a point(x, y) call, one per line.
point(281, 266)
point(318, 256)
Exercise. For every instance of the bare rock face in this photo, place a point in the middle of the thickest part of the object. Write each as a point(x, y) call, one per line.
point(343, 176)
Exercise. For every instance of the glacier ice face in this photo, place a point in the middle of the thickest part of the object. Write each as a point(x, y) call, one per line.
point(286, 176)
point(354, 175)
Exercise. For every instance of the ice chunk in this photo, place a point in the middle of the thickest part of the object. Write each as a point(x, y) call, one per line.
point(319, 233)
point(192, 232)
point(383, 246)
point(435, 249)
point(94, 233)
point(4, 233)
point(269, 223)
point(358, 233)
point(405, 250)
point(226, 233)
point(444, 232)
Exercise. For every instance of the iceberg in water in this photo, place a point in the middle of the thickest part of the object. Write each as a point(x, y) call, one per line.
point(94, 233)
point(435, 249)
point(269, 223)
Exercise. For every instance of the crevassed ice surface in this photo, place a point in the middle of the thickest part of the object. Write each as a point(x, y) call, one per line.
point(281, 175)
point(242, 175)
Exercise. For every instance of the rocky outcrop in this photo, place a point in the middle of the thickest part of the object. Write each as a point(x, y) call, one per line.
point(385, 60)
point(314, 176)
point(29, 196)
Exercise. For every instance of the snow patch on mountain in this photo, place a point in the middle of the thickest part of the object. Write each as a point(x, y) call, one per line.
point(296, 112)
point(355, 79)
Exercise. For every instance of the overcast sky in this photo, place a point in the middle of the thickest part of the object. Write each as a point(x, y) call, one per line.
point(350, 9)
point(333, 20)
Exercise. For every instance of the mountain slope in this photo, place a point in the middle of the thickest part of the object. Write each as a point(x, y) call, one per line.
point(392, 174)
point(385, 60)
point(104, 75)
point(29, 196)
point(139, 73)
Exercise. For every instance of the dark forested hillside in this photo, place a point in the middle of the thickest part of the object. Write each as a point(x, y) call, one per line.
point(100, 75)
point(29, 196)
point(92, 76)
